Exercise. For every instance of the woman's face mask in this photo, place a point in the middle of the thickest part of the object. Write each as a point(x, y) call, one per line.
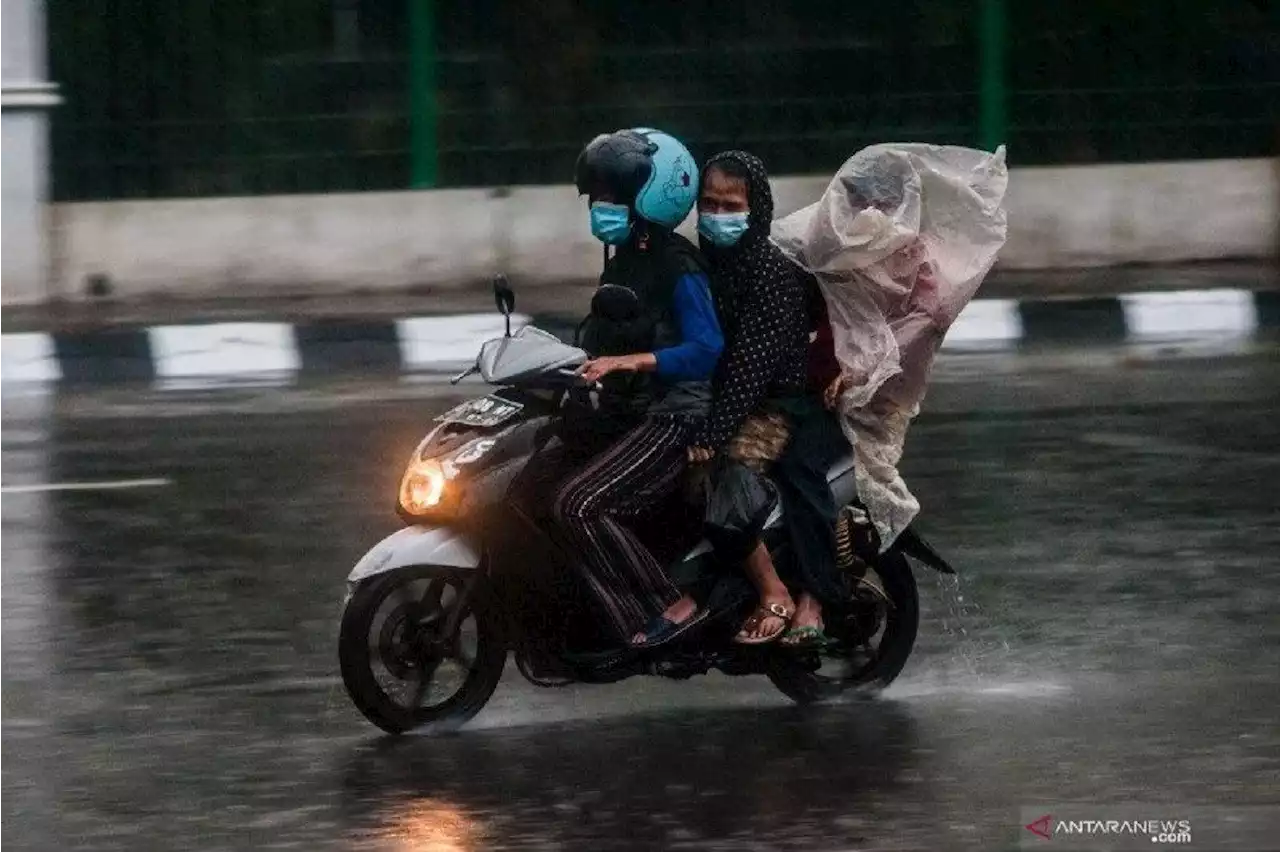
point(610, 223)
point(723, 229)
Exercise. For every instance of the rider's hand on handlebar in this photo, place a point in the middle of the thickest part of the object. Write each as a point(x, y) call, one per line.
point(597, 368)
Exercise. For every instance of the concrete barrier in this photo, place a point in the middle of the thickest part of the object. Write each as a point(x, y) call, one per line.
point(1072, 217)
point(23, 233)
point(283, 245)
point(25, 100)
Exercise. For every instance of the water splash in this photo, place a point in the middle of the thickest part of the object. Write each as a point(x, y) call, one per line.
point(980, 650)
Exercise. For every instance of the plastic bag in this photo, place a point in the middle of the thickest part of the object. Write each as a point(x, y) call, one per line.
point(737, 502)
point(899, 242)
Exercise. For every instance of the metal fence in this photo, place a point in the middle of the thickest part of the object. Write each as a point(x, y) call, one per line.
point(178, 98)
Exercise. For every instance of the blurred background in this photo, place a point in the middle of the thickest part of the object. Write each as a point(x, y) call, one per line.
point(154, 100)
point(168, 99)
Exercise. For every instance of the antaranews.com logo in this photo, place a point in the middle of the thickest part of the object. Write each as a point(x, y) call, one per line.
point(1159, 831)
point(1085, 827)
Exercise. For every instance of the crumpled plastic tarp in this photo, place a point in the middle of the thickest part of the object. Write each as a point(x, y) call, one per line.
point(900, 241)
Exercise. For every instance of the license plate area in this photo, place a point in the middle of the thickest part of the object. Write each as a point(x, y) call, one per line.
point(483, 413)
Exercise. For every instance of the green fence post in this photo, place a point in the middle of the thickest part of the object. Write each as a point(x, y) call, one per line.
point(422, 94)
point(991, 92)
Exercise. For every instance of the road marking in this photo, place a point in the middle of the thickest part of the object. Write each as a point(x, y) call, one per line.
point(30, 358)
point(449, 342)
point(115, 485)
point(224, 349)
point(1190, 313)
point(984, 324)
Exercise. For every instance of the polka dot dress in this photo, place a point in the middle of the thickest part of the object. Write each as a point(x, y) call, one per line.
point(760, 298)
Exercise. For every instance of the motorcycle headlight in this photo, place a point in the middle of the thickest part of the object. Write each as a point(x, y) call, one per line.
point(422, 489)
point(428, 489)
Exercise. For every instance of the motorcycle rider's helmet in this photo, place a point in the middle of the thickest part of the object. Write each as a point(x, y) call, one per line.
point(649, 171)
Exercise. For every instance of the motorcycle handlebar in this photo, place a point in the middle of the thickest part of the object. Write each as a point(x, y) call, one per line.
point(595, 386)
point(567, 373)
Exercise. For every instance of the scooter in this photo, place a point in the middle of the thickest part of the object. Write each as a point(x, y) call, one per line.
point(433, 611)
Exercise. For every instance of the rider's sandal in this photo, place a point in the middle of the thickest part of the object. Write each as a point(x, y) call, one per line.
point(753, 622)
point(807, 637)
point(662, 630)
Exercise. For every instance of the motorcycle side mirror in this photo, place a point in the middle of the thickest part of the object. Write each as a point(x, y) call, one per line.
point(505, 298)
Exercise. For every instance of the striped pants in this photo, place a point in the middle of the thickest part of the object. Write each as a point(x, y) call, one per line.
point(588, 502)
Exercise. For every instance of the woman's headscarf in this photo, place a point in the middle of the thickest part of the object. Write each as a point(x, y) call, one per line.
point(753, 258)
point(760, 301)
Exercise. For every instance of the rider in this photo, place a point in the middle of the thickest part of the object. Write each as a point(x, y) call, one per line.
point(763, 372)
point(810, 513)
point(767, 396)
point(640, 185)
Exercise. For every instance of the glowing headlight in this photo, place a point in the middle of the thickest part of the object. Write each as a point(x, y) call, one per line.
point(425, 489)
point(422, 487)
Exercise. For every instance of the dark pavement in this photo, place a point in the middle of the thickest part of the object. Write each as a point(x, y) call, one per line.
point(169, 653)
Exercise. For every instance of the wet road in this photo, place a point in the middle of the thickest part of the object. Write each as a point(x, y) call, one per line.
point(169, 666)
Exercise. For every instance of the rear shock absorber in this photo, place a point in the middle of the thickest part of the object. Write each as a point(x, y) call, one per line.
point(855, 539)
point(856, 549)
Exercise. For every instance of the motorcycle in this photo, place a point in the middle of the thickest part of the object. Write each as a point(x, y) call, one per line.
point(433, 611)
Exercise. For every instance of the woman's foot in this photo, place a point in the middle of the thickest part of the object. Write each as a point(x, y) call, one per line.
point(674, 616)
point(768, 621)
point(776, 607)
point(806, 624)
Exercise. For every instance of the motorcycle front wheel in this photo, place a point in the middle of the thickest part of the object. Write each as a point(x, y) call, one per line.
point(419, 649)
point(872, 642)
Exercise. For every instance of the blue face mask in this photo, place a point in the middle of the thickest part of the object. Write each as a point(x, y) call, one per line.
point(610, 223)
point(722, 229)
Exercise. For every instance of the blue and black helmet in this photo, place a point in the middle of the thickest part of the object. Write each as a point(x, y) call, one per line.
point(648, 170)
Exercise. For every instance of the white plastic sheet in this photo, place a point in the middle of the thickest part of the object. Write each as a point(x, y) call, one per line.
point(900, 241)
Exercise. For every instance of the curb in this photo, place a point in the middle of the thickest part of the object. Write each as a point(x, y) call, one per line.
point(265, 351)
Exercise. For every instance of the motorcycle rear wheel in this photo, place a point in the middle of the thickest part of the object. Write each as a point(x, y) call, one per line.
point(803, 684)
point(408, 646)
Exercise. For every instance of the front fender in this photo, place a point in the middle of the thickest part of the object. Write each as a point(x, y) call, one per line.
point(413, 546)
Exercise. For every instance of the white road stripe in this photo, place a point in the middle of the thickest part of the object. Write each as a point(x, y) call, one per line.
point(29, 358)
point(447, 342)
point(985, 322)
point(115, 485)
point(1190, 313)
point(223, 349)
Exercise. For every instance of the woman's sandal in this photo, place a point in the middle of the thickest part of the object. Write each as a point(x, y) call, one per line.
point(661, 630)
point(753, 622)
point(809, 636)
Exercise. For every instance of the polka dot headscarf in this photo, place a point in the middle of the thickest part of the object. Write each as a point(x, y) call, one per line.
point(760, 298)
